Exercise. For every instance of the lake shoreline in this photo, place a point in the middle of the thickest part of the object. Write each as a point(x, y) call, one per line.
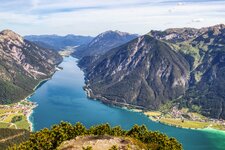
point(23, 108)
point(104, 100)
point(28, 115)
point(26, 106)
point(138, 109)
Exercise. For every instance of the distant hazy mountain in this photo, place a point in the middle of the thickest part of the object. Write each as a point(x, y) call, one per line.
point(103, 42)
point(22, 65)
point(58, 42)
point(182, 64)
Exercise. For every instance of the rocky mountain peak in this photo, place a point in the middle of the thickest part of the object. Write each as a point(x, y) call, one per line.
point(9, 34)
point(115, 33)
point(218, 27)
point(111, 35)
point(104, 42)
point(175, 35)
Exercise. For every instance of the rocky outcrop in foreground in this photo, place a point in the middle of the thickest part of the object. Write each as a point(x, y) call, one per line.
point(101, 143)
point(66, 136)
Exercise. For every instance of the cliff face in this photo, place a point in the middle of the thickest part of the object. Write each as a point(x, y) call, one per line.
point(22, 65)
point(161, 66)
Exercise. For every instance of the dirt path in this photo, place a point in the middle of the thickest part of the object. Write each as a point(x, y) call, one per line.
point(13, 124)
point(11, 137)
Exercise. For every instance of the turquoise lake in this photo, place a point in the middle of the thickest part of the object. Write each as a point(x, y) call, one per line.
point(63, 98)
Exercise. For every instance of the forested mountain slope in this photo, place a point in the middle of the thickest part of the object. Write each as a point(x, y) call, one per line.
point(23, 65)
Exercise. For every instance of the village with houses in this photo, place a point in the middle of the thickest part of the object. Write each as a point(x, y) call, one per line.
point(184, 118)
point(16, 116)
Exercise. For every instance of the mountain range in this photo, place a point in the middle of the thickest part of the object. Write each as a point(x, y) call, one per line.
point(57, 42)
point(103, 43)
point(185, 66)
point(23, 65)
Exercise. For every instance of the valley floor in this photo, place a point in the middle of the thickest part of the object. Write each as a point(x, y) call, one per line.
point(16, 116)
point(184, 119)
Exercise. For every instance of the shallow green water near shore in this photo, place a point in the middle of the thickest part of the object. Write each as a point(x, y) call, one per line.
point(63, 98)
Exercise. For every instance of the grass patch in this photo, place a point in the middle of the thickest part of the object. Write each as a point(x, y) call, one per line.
point(10, 116)
point(22, 124)
point(136, 142)
point(3, 110)
point(152, 113)
point(4, 125)
point(185, 124)
point(13, 126)
point(198, 115)
point(218, 126)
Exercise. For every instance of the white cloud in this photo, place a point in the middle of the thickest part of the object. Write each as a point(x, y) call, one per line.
point(198, 20)
point(35, 3)
point(180, 3)
point(90, 17)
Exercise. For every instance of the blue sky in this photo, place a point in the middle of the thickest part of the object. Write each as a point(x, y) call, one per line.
point(91, 17)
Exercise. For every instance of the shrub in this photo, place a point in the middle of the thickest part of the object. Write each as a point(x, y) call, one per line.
point(87, 148)
point(114, 147)
point(50, 139)
point(16, 118)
